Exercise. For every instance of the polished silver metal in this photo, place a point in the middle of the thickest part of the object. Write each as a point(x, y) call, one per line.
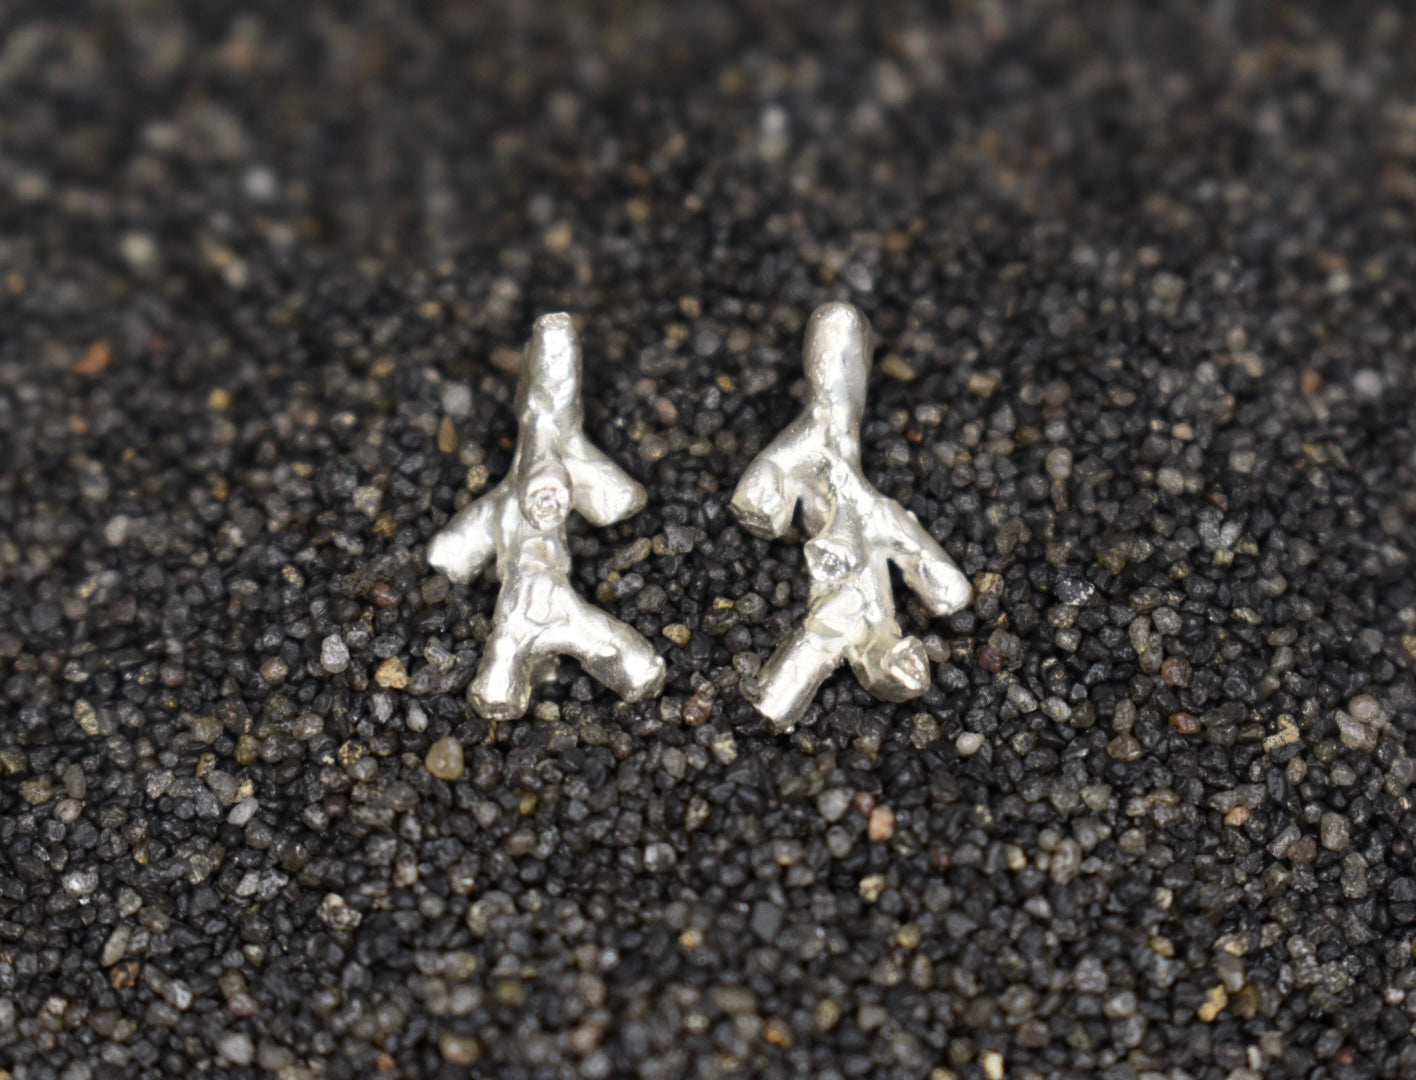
point(856, 533)
point(521, 523)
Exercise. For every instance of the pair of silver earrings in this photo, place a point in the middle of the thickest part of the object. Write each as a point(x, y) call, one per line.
point(814, 464)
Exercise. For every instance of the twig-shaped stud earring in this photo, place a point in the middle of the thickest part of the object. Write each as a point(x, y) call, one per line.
point(855, 534)
point(522, 522)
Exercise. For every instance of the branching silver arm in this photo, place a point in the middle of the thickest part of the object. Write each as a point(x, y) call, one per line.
point(927, 569)
point(761, 502)
point(467, 543)
point(603, 492)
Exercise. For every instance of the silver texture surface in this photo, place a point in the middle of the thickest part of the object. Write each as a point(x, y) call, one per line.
point(856, 533)
point(521, 523)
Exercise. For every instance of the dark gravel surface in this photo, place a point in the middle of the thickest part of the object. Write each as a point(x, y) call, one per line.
point(1143, 289)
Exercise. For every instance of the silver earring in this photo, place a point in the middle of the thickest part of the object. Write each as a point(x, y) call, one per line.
point(521, 523)
point(856, 532)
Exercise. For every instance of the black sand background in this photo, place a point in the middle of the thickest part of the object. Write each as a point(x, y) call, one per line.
point(1142, 279)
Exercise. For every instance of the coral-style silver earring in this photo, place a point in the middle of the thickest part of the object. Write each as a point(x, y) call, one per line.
point(855, 534)
point(522, 522)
